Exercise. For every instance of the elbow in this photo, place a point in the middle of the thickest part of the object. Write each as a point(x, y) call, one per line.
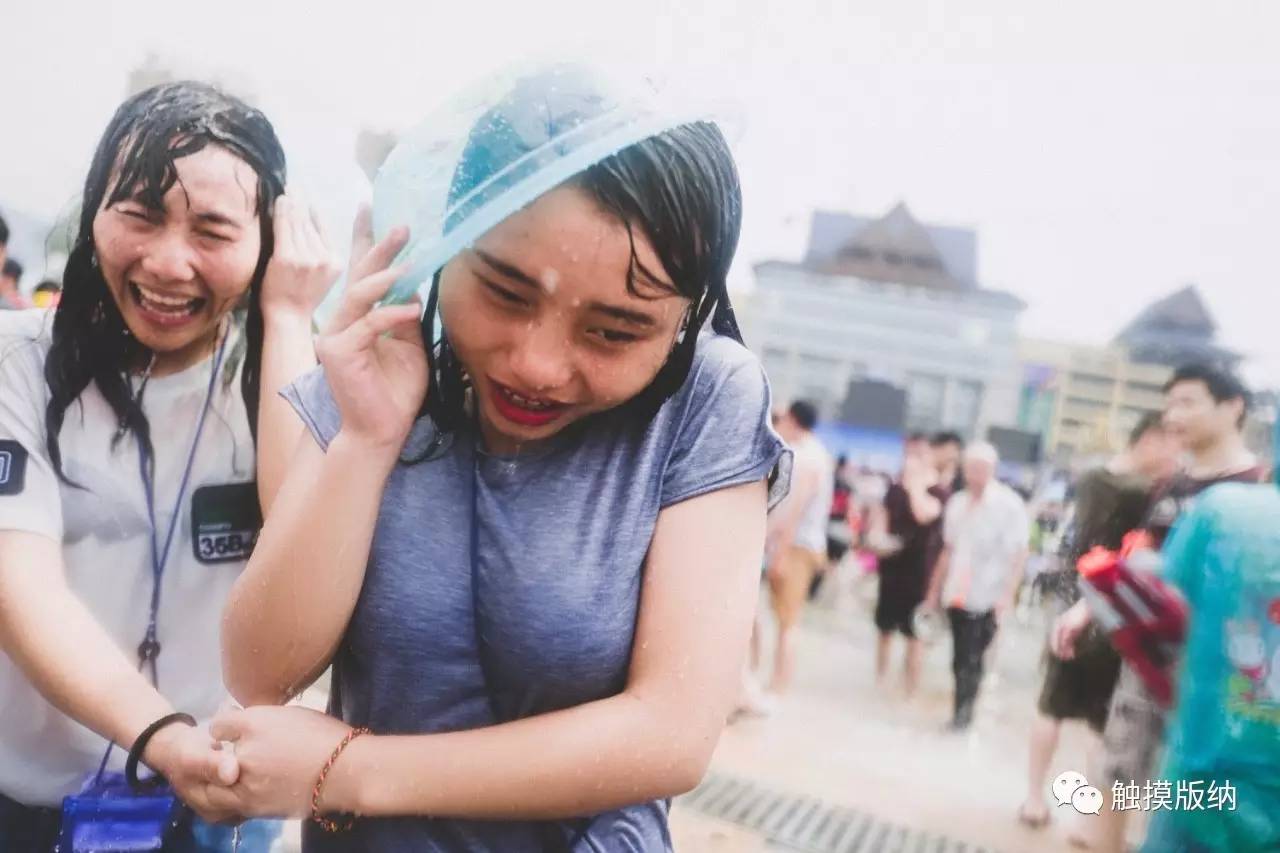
point(690, 758)
point(684, 749)
point(245, 686)
point(248, 690)
point(688, 772)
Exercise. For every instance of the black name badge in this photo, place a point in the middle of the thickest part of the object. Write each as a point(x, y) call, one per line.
point(225, 521)
point(13, 467)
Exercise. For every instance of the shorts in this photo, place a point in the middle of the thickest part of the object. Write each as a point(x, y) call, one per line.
point(838, 538)
point(1081, 688)
point(1134, 732)
point(896, 610)
point(790, 584)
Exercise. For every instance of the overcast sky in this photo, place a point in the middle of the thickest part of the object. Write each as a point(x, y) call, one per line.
point(1106, 152)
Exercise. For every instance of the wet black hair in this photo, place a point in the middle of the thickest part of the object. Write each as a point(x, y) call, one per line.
point(680, 190)
point(805, 414)
point(12, 269)
point(1149, 422)
point(47, 286)
point(135, 160)
point(1222, 385)
point(4, 232)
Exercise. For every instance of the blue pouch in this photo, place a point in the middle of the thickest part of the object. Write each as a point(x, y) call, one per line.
point(108, 815)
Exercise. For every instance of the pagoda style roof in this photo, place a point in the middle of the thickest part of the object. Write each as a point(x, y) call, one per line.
point(896, 247)
point(1175, 330)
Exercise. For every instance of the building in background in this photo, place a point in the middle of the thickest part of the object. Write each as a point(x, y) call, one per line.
point(888, 303)
point(1084, 400)
point(1176, 330)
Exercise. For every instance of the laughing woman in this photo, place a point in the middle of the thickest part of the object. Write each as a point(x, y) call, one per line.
point(531, 553)
point(127, 443)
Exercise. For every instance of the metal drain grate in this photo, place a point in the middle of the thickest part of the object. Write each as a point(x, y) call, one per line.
point(806, 823)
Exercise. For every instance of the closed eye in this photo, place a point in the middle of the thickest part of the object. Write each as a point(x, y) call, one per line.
point(141, 215)
point(615, 337)
point(503, 294)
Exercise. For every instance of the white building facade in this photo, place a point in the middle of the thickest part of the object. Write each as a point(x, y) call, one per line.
point(953, 348)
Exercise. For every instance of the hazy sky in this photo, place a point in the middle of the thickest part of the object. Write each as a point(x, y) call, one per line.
point(1106, 152)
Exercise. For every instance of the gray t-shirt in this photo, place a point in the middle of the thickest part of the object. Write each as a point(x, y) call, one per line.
point(561, 537)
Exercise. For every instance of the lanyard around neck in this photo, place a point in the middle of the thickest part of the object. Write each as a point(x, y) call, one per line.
point(149, 649)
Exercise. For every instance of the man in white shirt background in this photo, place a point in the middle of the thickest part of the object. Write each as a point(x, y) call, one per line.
point(985, 535)
point(796, 549)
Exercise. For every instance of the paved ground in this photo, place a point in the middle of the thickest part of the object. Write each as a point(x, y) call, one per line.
point(839, 739)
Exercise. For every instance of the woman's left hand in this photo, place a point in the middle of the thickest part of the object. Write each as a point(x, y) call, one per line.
point(281, 751)
point(302, 269)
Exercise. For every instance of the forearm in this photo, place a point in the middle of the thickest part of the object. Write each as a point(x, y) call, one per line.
point(579, 761)
point(48, 632)
point(288, 610)
point(925, 508)
point(288, 351)
point(1016, 573)
point(938, 575)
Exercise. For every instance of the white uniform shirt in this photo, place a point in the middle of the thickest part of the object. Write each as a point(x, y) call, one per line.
point(811, 459)
point(105, 536)
point(984, 537)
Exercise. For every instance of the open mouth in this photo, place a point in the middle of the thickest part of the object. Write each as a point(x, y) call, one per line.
point(163, 308)
point(526, 411)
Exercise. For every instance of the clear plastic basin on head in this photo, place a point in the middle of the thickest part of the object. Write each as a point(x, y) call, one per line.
point(500, 145)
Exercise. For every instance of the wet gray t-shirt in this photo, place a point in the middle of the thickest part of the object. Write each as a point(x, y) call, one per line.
point(560, 539)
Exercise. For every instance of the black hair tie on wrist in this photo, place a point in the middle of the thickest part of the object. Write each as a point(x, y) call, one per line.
point(140, 746)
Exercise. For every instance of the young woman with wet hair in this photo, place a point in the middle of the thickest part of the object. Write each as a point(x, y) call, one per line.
point(530, 552)
point(129, 419)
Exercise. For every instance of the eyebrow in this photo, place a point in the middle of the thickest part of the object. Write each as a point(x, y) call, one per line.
point(214, 218)
point(626, 315)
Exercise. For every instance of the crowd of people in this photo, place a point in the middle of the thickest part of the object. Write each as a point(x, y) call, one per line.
point(44, 295)
point(948, 540)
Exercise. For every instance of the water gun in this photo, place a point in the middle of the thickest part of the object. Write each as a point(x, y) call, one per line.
point(1144, 617)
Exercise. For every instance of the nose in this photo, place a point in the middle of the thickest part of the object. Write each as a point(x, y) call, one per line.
point(541, 359)
point(169, 257)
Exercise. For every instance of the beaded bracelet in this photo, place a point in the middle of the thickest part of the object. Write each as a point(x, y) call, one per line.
point(327, 824)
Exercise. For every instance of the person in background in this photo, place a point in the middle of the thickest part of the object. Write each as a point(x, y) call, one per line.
point(839, 530)
point(1224, 734)
point(4, 241)
point(1205, 410)
point(906, 535)
point(1110, 501)
point(47, 294)
point(10, 296)
point(985, 533)
point(948, 448)
point(797, 533)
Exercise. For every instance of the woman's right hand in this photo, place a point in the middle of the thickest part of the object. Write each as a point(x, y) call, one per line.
point(374, 357)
